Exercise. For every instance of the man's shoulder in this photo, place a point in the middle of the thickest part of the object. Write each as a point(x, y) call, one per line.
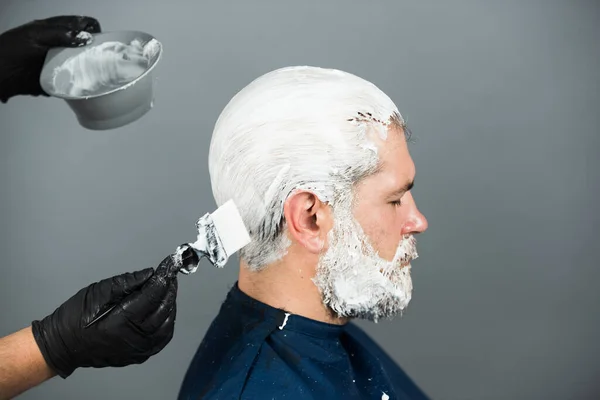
point(277, 375)
point(220, 368)
point(226, 356)
point(250, 371)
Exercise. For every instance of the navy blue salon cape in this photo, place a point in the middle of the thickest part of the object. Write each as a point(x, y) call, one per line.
point(252, 352)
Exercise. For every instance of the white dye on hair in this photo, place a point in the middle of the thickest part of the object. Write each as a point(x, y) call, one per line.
point(105, 67)
point(295, 128)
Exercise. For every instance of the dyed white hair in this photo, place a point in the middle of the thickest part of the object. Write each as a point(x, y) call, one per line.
point(294, 128)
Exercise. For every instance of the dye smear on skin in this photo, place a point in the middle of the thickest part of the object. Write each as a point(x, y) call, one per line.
point(105, 67)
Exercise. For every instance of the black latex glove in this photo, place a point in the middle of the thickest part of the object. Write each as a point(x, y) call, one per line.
point(141, 324)
point(23, 51)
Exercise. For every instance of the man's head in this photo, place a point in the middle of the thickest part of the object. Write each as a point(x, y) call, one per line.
point(317, 162)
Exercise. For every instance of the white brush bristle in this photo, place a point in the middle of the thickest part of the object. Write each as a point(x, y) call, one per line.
point(230, 227)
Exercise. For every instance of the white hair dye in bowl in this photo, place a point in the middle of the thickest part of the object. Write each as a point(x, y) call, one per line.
point(85, 36)
point(100, 69)
point(108, 83)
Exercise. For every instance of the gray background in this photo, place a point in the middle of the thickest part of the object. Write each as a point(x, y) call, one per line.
point(503, 98)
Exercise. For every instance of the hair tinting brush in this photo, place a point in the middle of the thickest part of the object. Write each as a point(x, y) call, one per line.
point(220, 235)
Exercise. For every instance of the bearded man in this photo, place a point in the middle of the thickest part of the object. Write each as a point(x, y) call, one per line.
point(317, 162)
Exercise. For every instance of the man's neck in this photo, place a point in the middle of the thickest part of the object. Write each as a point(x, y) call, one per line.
point(289, 288)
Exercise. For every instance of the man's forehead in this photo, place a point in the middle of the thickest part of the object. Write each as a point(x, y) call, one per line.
point(394, 156)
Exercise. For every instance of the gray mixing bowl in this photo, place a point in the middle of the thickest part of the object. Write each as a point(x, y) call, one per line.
point(115, 107)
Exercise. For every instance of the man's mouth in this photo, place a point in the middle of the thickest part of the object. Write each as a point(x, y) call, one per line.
point(403, 264)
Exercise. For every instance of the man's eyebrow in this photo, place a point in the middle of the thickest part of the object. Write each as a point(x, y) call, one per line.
point(404, 188)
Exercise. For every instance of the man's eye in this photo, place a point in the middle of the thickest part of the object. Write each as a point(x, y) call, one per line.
point(397, 203)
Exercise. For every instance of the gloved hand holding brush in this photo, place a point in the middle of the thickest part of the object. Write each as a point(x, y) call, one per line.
point(118, 321)
point(140, 322)
point(115, 322)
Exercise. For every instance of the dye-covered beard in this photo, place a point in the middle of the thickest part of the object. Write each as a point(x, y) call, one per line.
point(354, 281)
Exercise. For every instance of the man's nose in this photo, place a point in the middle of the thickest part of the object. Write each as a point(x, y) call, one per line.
point(416, 221)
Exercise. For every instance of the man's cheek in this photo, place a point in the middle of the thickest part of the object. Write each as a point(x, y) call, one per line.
point(387, 240)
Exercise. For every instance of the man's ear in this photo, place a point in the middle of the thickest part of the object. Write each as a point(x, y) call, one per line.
point(308, 220)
